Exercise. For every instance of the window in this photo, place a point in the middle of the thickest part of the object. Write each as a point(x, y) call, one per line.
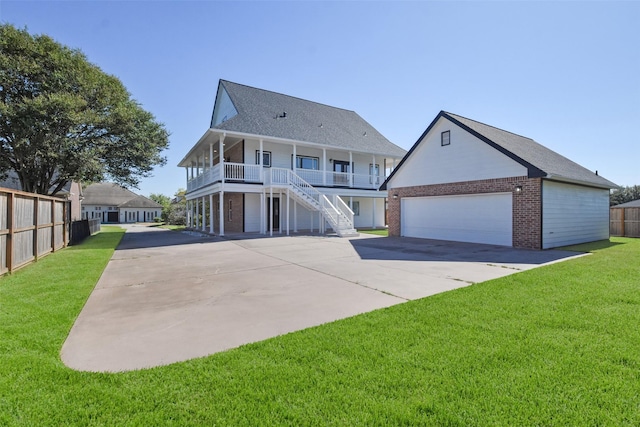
point(445, 138)
point(355, 207)
point(98, 208)
point(305, 162)
point(266, 158)
point(374, 173)
point(230, 210)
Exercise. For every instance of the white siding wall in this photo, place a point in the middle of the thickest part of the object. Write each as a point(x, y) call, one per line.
point(281, 156)
point(223, 108)
point(467, 158)
point(573, 214)
point(366, 218)
point(251, 212)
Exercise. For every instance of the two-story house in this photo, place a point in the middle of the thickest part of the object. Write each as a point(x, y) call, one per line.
point(275, 163)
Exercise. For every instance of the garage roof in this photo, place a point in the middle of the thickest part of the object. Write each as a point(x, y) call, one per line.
point(539, 160)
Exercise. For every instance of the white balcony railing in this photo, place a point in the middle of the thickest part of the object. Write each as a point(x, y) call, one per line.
point(240, 172)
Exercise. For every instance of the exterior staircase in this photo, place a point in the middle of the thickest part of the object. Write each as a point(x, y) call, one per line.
point(334, 210)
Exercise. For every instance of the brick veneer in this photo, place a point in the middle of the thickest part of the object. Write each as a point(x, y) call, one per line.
point(527, 205)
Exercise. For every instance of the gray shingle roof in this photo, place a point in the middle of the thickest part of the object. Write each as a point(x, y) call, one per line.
point(260, 111)
point(110, 194)
point(538, 159)
point(631, 204)
point(548, 161)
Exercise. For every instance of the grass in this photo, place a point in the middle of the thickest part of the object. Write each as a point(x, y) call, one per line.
point(380, 232)
point(173, 227)
point(556, 345)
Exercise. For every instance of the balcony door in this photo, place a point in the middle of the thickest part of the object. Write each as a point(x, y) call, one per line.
point(341, 170)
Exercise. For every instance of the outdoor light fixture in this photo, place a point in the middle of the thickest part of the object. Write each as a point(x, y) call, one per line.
point(395, 196)
point(518, 189)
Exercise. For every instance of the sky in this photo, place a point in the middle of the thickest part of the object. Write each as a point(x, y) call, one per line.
point(566, 73)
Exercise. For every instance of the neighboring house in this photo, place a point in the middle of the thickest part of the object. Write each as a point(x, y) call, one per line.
point(272, 162)
point(72, 191)
point(115, 204)
point(468, 181)
point(631, 204)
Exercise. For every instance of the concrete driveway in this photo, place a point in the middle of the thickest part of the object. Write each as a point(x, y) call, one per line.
point(167, 297)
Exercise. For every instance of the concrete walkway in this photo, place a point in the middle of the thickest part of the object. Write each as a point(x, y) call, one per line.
point(167, 297)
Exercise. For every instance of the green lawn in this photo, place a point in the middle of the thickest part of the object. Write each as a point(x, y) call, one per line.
point(557, 345)
point(381, 232)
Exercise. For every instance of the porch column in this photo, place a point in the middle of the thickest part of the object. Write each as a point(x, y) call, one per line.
point(204, 216)
point(295, 217)
point(222, 163)
point(263, 213)
point(373, 220)
point(271, 211)
point(210, 155)
point(372, 172)
point(221, 205)
point(293, 160)
point(288, 202)
point(189, 213)
point(350, 169)
point(211, 213)
point(196, 221)
point(324, 166)
point(261, 161)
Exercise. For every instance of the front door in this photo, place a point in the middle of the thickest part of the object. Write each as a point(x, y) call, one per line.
point(341, 171)
point(276, 213)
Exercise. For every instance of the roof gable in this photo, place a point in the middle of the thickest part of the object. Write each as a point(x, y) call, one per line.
point(265, 113)
point(538, 159)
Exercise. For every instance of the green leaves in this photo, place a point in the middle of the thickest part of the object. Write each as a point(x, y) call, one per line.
point(64, 119)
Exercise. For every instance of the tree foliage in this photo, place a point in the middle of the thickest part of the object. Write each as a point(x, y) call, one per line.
point(163, 200)
point(624, 195)
point(63, 119)
point(177, 214)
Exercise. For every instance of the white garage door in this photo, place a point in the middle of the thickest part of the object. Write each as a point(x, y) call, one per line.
point(476, 218)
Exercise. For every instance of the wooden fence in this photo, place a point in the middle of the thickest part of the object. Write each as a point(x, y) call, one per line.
point(82, 229)
point(31, 226)
point(624, 222)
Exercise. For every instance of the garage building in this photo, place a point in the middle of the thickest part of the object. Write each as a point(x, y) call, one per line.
point(467, 181)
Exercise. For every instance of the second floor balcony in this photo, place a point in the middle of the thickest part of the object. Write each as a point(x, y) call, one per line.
point(256, 174)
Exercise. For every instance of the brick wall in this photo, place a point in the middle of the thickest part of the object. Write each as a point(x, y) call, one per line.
point(236, 224)
point(527, 205)
point(236, 153)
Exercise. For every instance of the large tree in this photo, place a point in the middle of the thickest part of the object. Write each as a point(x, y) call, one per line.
point(63, 119)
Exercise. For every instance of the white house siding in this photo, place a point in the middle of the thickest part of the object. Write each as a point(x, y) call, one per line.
point(251, 213)
point(366, 217)
point(573, 214)
point(281, 155)
point(466, 158)
point(476, 218)
point(223, 109)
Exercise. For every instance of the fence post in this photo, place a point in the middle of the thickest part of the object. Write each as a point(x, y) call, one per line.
point(36, 223)
point(53, 226)
point(10, 222)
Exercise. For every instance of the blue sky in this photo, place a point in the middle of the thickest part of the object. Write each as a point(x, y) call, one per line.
point(566, 74)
